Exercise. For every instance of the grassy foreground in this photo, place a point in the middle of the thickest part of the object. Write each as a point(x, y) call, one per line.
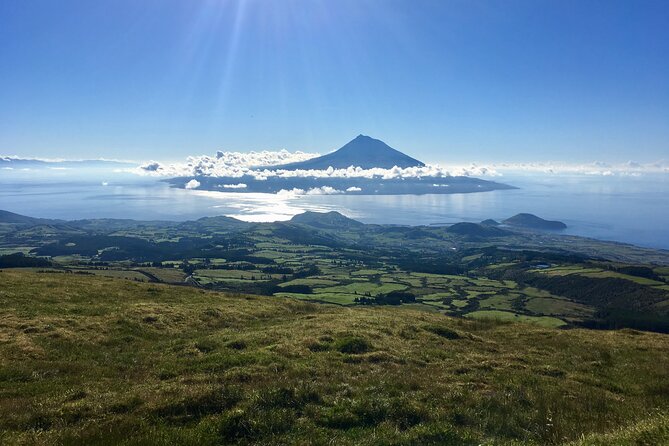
point(95, 360)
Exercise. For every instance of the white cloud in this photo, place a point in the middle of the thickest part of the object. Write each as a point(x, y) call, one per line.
point(192, 184)
point(208, 168)
point(353, 189)
point(289, 193)
point(235, 186)
point(224, 164)
point(324, 190)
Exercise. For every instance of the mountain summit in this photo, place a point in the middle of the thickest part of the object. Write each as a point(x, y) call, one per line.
point(362, 151)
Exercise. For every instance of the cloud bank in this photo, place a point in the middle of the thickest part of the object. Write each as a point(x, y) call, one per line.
point(223, 164)
point(595, 168)
point(258, 165)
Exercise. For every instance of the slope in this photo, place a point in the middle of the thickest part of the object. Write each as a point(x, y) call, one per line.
point(89, 360)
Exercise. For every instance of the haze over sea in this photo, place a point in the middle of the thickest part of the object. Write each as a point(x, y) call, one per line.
point(628, 209)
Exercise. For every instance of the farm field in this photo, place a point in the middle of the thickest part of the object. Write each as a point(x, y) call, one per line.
point(359, 265)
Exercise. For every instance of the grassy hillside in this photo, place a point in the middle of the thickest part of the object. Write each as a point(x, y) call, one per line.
point(96, 360)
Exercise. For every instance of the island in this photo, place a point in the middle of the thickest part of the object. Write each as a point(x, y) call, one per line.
point(363, 166)
point(531, 221)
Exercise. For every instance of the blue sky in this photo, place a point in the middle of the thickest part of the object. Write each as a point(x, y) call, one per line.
point(445, 81)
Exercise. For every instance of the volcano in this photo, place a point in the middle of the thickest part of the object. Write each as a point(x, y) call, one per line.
point(363, 151)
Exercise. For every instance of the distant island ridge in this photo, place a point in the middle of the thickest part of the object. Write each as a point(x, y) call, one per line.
point(321, 220)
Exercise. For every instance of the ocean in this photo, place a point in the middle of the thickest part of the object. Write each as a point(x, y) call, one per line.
point(619, 208)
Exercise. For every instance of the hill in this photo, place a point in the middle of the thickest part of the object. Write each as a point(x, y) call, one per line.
point(10, 217)
point(362, 151)
point(326, 220)
point(531, 221)
point(91, 360)
point(217, 223)
point(476, 230)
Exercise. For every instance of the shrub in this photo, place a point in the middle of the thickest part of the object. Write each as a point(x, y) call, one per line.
point(127, 405)
point(249, 425)
point(19, 260)
point(206, 345)
point(195, 407)
point(236, 345)
point(338, 417)
point(395, 298)
point(353, 345)
point(438, 434)
point(444, 332)
point(316, 346)
point(406, 413)
point(287, 397)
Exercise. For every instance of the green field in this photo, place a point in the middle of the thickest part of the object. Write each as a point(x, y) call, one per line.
point(600, 273)
point(88, 360)
point(497, 302)
point(363, 288)
point(544, 305)
point(167, 275)
point(121, 274)
point(507, 316)
point(313, 282)
point(329, 258)
point(329, 276)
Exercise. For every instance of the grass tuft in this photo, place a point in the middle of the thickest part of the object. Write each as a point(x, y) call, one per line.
point(444, 332)
point(353, 345)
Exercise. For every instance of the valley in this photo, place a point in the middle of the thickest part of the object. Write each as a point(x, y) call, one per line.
point(467, 270)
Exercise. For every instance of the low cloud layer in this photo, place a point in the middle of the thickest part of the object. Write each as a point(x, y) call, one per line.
point(324, 190)
point(596, 168)
point(19, 159)
point(258, 165)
